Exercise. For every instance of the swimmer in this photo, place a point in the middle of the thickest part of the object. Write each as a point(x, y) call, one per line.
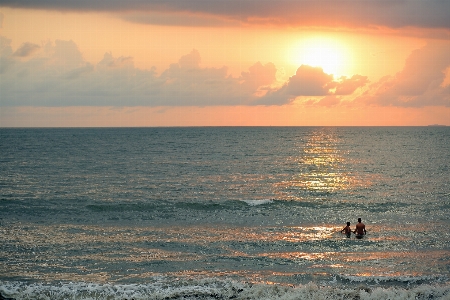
point(347, 230)
point(360, 230)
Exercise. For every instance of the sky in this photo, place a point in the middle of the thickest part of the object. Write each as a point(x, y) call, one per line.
point(114, 63)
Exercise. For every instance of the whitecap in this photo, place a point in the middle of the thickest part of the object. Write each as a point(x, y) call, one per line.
point(258, 202)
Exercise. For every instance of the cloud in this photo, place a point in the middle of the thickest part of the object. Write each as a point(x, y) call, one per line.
point(190, 61)
point(330, 100)
point(110, 62)
point(179, 18)
point(419, 84)
point(332, 13)
point(312, 81)
point(26, 49)
point(5, 47)
point(5, 53)
point(58, 75)
point(77, 72)
point(309, 81)
point(348, 86)
point(64, 54)
point(259, 76)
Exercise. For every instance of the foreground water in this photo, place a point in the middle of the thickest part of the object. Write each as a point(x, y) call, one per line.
point(224, 213)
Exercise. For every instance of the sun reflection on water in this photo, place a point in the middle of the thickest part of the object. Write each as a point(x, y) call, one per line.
point(323, 165)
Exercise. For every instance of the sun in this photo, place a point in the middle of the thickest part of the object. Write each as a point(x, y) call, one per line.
point(326, 53)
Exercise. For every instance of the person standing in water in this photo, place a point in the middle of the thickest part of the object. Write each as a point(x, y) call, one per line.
point(347, 230)
point(360, 230)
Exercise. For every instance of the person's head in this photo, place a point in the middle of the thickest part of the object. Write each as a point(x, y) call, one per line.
point(359, 220)
point(348, 223)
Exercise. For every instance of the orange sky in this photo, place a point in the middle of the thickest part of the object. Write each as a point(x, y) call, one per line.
point(181, 64)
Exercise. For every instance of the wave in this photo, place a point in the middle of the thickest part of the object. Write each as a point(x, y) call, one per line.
point(167, 205)
point(395, 279)
point(213, 288)
point(258, 202)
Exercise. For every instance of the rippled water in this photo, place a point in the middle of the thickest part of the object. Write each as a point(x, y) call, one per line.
point(155, 213)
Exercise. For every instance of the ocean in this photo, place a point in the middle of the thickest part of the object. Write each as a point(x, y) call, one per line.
point(224, 213)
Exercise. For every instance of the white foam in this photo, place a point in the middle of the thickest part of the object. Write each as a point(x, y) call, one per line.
point(395, 279)
point(258, 202)
point(164, 288)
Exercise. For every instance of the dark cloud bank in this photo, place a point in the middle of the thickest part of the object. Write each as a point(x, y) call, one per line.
point(359, 13)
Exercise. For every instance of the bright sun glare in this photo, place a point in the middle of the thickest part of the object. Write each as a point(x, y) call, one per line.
point(326, 53)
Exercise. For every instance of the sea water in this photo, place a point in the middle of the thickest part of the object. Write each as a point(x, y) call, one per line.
point(224, 213)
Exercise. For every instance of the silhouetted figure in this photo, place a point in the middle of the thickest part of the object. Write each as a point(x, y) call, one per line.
point(347, 230)
point(360, 230)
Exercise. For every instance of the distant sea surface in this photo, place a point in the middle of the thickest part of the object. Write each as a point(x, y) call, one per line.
point(225, 213)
